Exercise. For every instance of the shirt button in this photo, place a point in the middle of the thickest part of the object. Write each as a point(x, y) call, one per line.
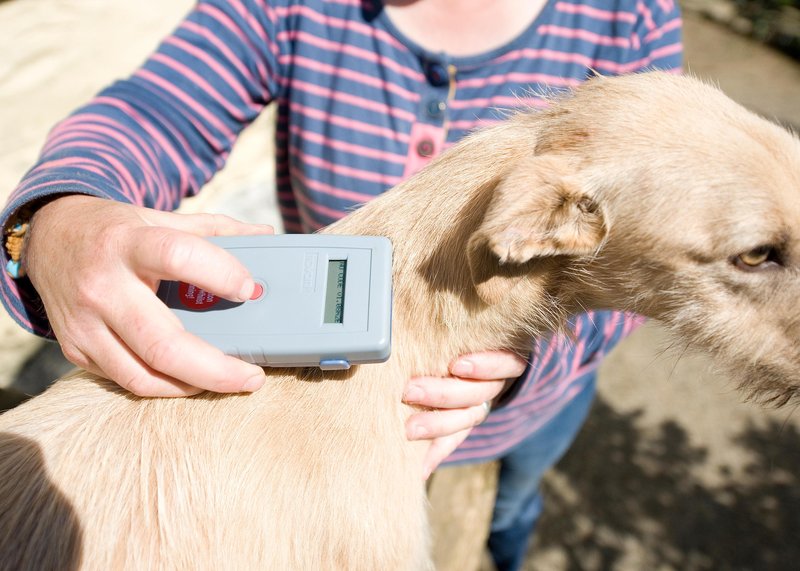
point(436, 74)
point(425, 148)
point(435, 108)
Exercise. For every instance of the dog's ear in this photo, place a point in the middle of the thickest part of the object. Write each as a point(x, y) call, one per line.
point(539, 210)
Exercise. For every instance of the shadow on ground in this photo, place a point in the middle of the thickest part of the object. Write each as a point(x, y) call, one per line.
point(625, 499)
point(42, 368)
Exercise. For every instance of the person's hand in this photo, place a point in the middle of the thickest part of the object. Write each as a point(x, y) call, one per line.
point(97, 264)
point(460, 402)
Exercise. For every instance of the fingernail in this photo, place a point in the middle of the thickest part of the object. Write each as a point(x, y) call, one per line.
point(254, 383)
point(417, 432)
point(463, 368)
point(247, 290)
point(413, 394)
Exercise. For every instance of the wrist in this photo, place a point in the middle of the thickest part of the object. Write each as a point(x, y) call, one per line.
point(18, 231)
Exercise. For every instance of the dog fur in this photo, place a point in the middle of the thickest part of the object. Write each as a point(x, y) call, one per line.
point(650, 193)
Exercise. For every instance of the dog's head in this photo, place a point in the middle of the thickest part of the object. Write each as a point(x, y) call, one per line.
point(660, 195)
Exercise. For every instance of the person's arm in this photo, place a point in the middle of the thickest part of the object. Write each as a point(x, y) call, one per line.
point(96, 250)
point(657, 37)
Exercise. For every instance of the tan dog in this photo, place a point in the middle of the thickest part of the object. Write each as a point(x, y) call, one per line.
point(651, 193)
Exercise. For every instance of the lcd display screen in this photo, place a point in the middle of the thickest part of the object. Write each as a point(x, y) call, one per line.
point(334, 294)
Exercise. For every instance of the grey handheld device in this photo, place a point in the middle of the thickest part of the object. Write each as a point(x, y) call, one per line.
point(321, 300)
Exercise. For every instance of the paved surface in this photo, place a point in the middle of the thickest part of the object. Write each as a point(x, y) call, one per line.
point(672, 471)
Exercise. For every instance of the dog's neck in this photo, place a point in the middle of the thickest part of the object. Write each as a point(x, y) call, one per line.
point(430, 220)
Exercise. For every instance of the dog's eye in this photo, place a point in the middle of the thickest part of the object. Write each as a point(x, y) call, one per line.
point(759, 258)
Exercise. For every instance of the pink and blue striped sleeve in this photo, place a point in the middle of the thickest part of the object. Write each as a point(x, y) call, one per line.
point(159, 135)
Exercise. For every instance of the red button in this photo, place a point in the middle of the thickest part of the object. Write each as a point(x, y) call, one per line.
point(425, 148)
point(257, 292)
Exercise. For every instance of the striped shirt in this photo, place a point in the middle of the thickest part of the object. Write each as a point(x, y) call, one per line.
point(360, 107)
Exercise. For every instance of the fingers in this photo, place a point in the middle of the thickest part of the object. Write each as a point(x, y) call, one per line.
point(160, 344)
point(450, 392)
point(446, 429)
point(439, 423)
point(107, 357)
point(206, 224)
point(145, 350)
point(489, 365)
point(171, 247)
point(130, 373)
point(164, 253)
point(460, 402)
point(440, 449)
point(483, 377)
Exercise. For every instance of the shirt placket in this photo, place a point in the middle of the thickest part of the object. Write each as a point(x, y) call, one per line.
point(429, 132)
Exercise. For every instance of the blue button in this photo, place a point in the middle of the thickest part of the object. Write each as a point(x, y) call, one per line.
point(436, 73)
point(436, 108)
point(334, 364)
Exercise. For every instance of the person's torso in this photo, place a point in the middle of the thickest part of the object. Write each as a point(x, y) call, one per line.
point(362, 107)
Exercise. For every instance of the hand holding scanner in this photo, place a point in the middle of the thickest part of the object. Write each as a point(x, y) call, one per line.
point(321, 300)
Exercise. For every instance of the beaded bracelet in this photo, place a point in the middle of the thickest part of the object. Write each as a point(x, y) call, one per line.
point(15, 242)
point(18, 229)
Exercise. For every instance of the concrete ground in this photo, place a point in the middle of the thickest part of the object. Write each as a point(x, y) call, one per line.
point(671, 472)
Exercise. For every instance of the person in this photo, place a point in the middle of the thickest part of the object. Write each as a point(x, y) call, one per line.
point(367, 92)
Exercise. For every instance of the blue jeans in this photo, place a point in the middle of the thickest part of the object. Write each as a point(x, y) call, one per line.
point(519, 503)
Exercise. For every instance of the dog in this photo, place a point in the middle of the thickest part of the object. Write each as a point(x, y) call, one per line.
point(650, 193)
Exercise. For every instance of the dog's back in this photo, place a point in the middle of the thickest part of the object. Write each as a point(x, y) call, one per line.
point(288, 478)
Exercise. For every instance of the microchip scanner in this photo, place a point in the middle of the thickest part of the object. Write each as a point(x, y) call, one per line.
point(321, 300)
